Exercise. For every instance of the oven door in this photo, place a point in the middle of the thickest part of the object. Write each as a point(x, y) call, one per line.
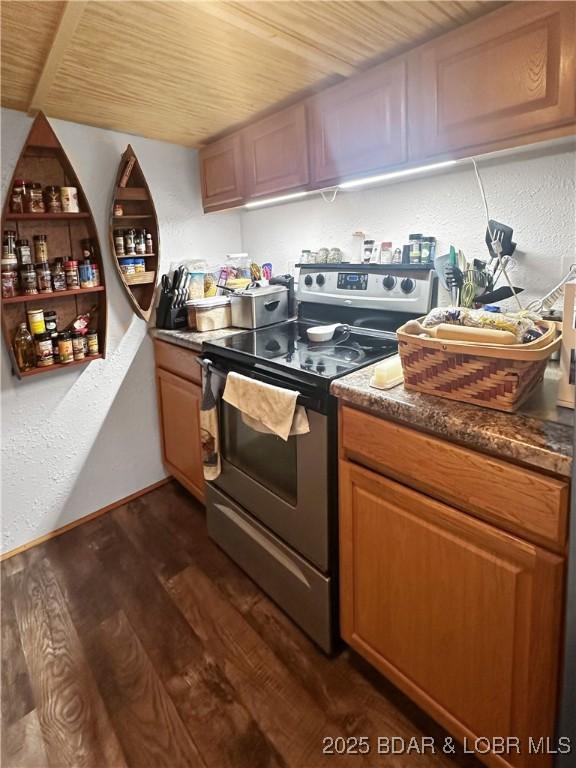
point(284, 484)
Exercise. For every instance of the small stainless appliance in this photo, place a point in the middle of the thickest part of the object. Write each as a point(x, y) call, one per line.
point(274, 507)
point(256, 307)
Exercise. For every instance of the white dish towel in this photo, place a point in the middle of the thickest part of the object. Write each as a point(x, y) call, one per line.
point(266, 408)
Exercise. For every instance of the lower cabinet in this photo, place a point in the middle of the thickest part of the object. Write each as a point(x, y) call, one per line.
point(179, 404)
point(463, 617)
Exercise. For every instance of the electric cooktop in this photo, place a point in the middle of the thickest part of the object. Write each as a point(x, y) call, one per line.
point(286, 346)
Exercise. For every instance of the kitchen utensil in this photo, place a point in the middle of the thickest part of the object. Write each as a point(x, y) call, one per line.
point(503, 235)
point(500, 294)
point(547, 301)
point(258, 307)
point(322, 333)
point(462, 333)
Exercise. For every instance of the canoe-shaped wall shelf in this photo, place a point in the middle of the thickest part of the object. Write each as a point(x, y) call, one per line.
point(134, 234)
point(52, 272)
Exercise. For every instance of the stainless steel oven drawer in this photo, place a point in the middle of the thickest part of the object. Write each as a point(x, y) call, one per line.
point(298, 588)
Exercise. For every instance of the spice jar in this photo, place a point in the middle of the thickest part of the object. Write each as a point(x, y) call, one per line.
point(149, 244)
point(58, 276)
point(119, 242)
point(18, 196)
point(78, 345)
point(28, 280)
point(52, 199)
point(44, 278)
point(72, 275)
point(95, 274)
point(9, 243)
point(69, 198)
point(51, 321)
point(85, 272)
point(140, 241)
point(36, 321)
point(127, 266)
point(40, 249)
point(92, 338)
point(23, 252)
point(34, 200)
point(129, 242)
point(65, 350)
point(88, 250)
point(118, 209)
point(9, 284)
point(44, 353)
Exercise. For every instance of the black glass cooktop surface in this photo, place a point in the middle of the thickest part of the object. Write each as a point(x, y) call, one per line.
point(286, 346)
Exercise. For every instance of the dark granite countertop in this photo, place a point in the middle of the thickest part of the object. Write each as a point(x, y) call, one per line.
point(192, 339)
point(539, 435)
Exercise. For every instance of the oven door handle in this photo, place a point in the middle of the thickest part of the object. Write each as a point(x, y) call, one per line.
point(208, 366)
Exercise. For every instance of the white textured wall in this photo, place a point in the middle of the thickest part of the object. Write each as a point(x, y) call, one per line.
point(534, 192)
point(75, 441)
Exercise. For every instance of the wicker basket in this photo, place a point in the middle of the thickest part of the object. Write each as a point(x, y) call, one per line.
point(500, 377)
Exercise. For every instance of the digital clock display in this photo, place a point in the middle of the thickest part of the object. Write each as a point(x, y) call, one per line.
point(352, 281)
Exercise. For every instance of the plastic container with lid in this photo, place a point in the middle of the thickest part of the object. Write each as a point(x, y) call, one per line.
point(209, 314)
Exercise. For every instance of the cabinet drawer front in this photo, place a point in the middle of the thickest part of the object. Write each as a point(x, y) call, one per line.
point(179, 360)
point(462, 616)
point(509, 74)
point(517, 499)
point(359, 126)
point(302, 591)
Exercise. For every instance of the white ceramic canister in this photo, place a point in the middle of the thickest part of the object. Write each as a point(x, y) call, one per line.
point(69, 197)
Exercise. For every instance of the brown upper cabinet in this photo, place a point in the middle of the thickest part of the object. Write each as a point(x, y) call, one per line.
point(276, 153)
point(359, 126)
point(504, 80)
point(506, 75)
point(222, 173)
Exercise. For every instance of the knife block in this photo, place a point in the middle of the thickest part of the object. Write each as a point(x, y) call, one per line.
point(170, 318)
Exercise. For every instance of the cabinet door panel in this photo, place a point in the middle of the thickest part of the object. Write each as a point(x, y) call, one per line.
point(222, 173)
point(179, 402)
point(508, 74)
point(359, 126)
point(463, 617)
point(276, 153)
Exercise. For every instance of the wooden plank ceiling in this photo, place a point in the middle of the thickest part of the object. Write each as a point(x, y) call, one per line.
point(186, 70)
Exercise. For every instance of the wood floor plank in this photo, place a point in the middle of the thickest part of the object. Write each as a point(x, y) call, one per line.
point(164, 633)
point(145, 719)
point(88, 597)
point(148, 534)
point(289, 716)
point(74, 723)
point(17, 698)
point(22, 743)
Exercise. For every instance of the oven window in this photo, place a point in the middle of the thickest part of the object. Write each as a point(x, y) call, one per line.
point(266, 458)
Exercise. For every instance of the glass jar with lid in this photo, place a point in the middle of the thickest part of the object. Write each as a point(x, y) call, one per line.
point(44, 278)
point(58, 276)
point(23, 252)
point(28, 280)
point(52, 199)
point(18, 196)
point(72, 274)
point(35, 199)
point(40, 249)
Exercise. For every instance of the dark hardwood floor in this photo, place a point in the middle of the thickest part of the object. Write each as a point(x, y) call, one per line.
point(134, 641)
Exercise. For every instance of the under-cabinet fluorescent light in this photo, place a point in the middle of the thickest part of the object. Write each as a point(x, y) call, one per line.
point(395, 175)
point(272, 200)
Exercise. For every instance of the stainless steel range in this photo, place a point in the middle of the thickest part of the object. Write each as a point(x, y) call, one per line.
point(274, 507)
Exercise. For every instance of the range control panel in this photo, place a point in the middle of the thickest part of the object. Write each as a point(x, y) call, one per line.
point(396, 289)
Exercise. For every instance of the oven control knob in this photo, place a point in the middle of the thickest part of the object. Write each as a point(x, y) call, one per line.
point(320, 279)
point(407, 285)
point(389, 282)
point(308, 280)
